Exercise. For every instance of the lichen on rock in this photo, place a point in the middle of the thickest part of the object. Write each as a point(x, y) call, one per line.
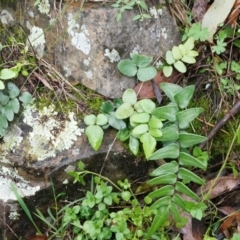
point(51, 131)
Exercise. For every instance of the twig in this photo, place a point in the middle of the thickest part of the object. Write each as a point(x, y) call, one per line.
point(235, 109)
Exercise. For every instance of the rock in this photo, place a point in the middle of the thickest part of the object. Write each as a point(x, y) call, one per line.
point(39, 151)
point(87, 44)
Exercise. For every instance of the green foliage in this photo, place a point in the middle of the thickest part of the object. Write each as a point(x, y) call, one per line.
point(138, 65)
point(197, 32)
point(220, 47)
point(10, 100)
point(175, 174)
point(94, 130)
point(123, 5)
point(179, 55)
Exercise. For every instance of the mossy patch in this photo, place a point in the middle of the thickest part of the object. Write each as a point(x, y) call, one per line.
point(220, 143)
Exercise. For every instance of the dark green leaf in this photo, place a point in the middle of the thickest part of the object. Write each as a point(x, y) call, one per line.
point(162, 202)
point(170, 151)
point(184, 189)
point(169, 133)
point(178, 200)
point(107, 107)
point(169, 178)
point(134, 145)
point(158, 221)
point(123, 134)
point(95, 136)
point(167, 190)
point(146, 74)
point(167, 112)
point(186, 159)
point(186, 116)
point(171, 167)
point(186, 174)
point(170, 89)
point(127, 67)
point(189, 139)
point(184, 96)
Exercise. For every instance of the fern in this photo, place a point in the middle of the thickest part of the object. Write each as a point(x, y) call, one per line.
point(173, 176)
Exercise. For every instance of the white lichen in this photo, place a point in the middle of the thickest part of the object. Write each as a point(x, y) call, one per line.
point(158, 64)
point(67, 70)
point(89, 74)
point(6, 17)
point(153, 12)
point(51, 132)
point(44, 6)
point(37, 40)
point(112, 55)
point(65, 181)
point(14, 215)
point(137, 49)
point(164, 33)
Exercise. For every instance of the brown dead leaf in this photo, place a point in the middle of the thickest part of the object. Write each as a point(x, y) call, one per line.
point(38, 237)
point(145, 89)
point(233, 16)
point(43, 80)
point(222, 185)
point(232, 221)
point(199, 9)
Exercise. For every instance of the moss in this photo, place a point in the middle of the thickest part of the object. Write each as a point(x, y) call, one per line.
point(220, 143)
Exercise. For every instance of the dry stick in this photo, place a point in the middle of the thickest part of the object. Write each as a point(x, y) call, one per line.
point(235, 109)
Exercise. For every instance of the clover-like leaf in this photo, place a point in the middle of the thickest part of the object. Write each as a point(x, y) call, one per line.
point(114, 122)
point(13, 90)
point(140, 60)
point(8, 112)
point(25, 98)
point(3, 98)
point(127, 67)
point(95, 136)
point(147, 73)
point(101, 119)
point(14, 105)
point(90, 119)
point(3, 121)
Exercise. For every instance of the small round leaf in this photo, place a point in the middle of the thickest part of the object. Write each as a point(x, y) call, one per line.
point(169, 57)
point(90, 119)
point(179, 65)
point(139, 130)
point(2, 86)
point(147, 73)
point(167, 71)
point(129, 96)
point(14, 105)
point(188, 59)
point(127, 67)
point(13, 90)
point(25, 98)
point(176, 53)
point(101, 119)
point(95, 136)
